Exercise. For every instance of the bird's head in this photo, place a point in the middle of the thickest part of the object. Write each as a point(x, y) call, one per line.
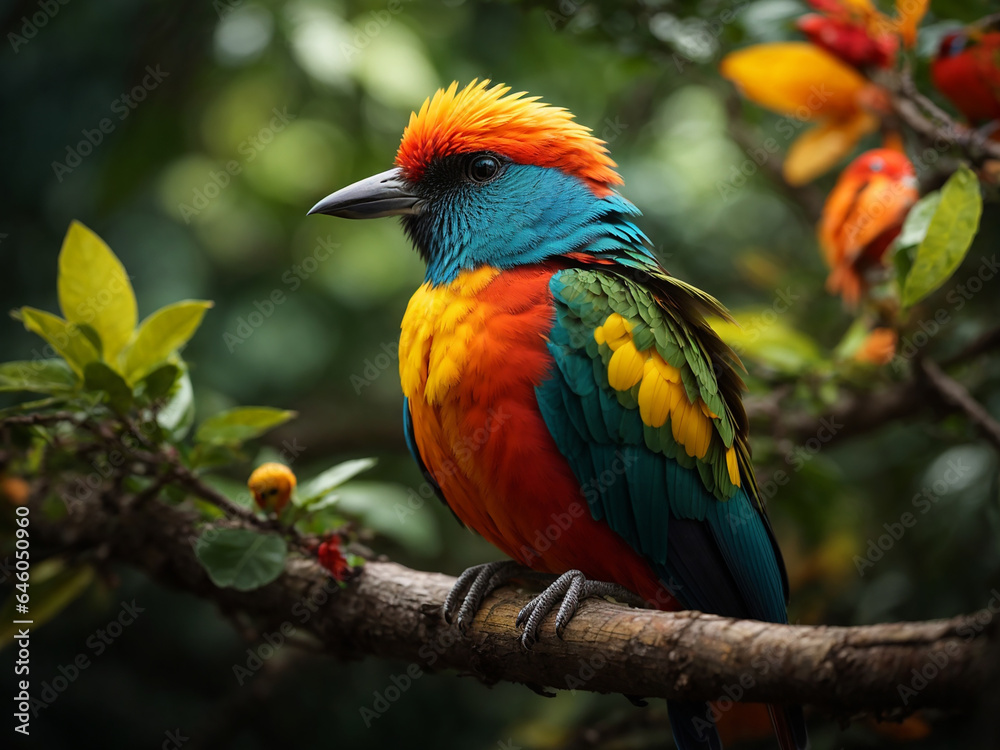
point(886, 163)
point(485, 177)
point(952, 44)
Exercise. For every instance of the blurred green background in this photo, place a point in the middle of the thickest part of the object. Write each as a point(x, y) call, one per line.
point(227, 120)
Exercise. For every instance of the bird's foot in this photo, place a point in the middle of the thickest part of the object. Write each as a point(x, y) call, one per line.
point(567, 591)
point(474, 585)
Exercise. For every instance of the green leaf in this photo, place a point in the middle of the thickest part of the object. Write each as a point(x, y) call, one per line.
point(388, 509)
point(765, 337)
point(238, 492)
point(91, 336)
point(321, 502)
point(240, 558)
point(53, 587)
point(918, 220)
point(318, 486)
point(63, 336)
point(209, 456)
point(949, 235)
point(177, 415)
point(94, 289)
point(243, 423)
point(161, 334)
point(38, 376)
point(97, 376)
point(853, 339)
point(912, 234)
point(159, 382)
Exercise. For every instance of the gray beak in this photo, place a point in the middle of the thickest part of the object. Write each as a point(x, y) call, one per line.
point(385, 194)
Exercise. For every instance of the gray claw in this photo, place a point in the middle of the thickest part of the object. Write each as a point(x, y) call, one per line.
point(568, 590)
point(473, 586)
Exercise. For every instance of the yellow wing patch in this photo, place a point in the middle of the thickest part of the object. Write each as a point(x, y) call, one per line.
point(437, 329)
point(661, 391)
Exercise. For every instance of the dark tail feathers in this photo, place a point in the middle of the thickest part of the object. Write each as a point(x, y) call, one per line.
point(789, 726)
point(694, 727)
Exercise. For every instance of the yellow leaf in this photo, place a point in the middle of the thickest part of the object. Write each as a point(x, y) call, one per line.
point(161, 334)
point(795, 78)
point(64, 337)
point(910, 13)
point(94, 289)
point(819, 149)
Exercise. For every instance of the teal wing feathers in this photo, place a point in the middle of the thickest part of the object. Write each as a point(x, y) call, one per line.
point(705, 534)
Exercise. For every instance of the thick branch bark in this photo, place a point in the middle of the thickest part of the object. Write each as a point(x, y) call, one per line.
point(392, 611)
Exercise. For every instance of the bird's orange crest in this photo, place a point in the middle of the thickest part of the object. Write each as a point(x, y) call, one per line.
point(484, 118)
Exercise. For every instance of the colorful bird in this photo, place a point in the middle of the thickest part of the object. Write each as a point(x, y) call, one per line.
point(271, 485)
point(564, 394)
point(862, 216)
point(966, 69)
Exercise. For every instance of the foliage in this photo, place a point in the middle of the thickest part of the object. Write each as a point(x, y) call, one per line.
point(120, 398)
point(202, 188)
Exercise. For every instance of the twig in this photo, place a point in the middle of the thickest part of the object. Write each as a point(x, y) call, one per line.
point(931, 122)
point(956, 394)
point(985, 343)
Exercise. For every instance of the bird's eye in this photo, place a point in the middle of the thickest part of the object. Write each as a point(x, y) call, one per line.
point(482, 168)
point(876, 165)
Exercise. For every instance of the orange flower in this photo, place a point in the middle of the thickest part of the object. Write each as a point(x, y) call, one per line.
point(812, 81)
point(841, 33)
point(803, 81)
point(876, 24)
point(272, 485)
point(878, 348)
point(15, 489)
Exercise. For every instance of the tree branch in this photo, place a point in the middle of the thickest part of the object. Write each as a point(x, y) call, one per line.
point(393, 612)
point(954, 393)
point(860, 412)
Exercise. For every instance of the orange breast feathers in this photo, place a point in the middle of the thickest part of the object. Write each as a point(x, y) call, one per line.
point(470, 356)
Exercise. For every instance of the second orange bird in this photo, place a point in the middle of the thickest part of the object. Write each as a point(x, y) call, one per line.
point(862, 216)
